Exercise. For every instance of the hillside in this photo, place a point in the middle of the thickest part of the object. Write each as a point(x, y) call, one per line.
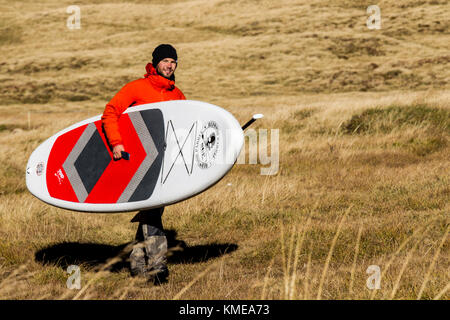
point(364, 125)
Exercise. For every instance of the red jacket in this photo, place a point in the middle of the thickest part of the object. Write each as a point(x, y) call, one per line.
point(151, 88)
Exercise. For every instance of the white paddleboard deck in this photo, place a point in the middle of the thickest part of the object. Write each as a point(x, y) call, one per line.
point(177, 149)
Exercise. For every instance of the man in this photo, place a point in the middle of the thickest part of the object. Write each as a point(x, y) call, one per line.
point(148, 257)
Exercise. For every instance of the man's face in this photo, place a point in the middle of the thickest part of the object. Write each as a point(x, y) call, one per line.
point(166, 67)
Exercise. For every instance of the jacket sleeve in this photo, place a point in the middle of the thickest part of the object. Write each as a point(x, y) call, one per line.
point(180, 94)
point(110, 118)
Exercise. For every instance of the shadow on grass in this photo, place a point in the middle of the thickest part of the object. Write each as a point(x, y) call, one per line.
point(94, 255)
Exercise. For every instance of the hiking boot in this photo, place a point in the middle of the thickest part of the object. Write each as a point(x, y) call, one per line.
point(156, 251)
point(148, 257)
point(137, 261)
point(159, 275)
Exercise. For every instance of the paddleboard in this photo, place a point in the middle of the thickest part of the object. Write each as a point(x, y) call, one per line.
point(177, 149)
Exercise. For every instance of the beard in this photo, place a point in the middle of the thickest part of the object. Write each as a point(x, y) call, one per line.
point(171, 77)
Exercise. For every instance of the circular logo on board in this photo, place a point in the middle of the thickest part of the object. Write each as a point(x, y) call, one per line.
point(207, 145)
point(39, 168)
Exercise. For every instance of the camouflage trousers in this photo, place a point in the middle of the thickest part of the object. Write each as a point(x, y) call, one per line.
point(149, 255)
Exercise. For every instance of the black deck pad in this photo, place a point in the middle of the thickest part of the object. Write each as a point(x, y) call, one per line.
point(92, 161)
point(154, 122)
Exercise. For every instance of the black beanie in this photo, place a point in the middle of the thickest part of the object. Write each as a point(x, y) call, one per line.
point(163, 51)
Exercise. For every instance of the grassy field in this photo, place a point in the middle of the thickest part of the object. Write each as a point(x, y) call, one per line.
point(364, 126)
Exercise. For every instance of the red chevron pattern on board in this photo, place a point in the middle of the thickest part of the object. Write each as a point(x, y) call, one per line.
point(112, 181)
point(58, 185)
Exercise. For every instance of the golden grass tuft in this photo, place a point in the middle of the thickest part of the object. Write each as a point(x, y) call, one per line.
point(363, 119)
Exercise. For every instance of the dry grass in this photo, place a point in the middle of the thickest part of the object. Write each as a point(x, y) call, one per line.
point(364, 124)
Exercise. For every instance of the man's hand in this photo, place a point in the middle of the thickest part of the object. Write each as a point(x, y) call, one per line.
point(117, 151)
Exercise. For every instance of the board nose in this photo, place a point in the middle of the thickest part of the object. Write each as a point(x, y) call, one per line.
point(35, 174)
